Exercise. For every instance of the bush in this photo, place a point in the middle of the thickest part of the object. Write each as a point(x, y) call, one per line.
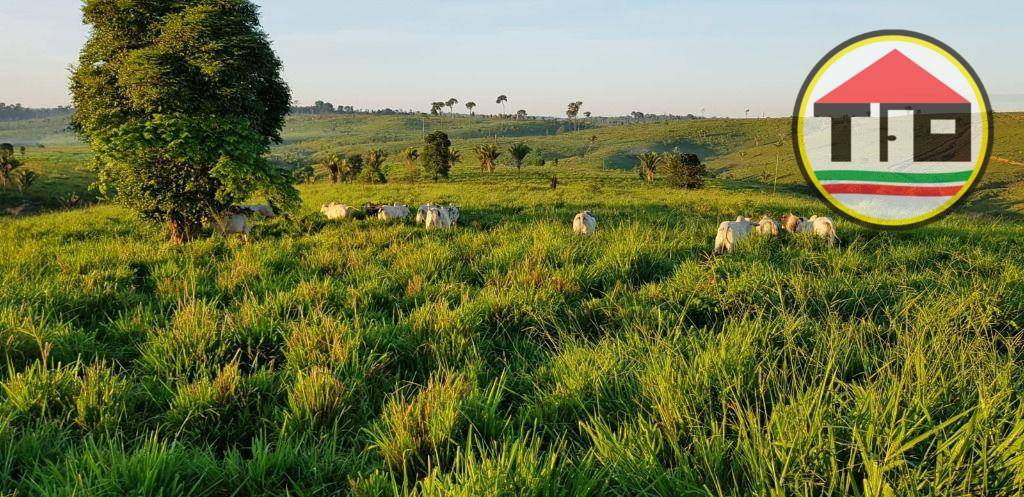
point(685, 171)
point(436, 157)
point(535, 158)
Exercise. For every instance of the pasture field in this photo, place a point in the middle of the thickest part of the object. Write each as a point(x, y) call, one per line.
point(742, 151)
point(508, 357)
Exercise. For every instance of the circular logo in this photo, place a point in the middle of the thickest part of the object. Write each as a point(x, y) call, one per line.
point(893, 129)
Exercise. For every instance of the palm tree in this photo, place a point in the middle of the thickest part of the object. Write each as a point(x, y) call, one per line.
point(572, 111)
point(488, 157)
point(451, 104)
point(375, 159)
point(519, 151)
point(435, 108)
point(332, 164)
point(372, 168)
point(470, 106)
point(521, 114)
point(592, 142)
point(454, 157)
point(501, 100)
point(649, 162)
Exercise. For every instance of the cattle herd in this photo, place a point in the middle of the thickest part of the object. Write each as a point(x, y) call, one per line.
point(429, 215)
point(236, 221)
point(731, 232)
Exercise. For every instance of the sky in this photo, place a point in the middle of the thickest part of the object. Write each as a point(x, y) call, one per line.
point(615, 56)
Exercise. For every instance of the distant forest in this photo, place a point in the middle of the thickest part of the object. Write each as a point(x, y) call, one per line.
point(321, 107)
point(15, 112)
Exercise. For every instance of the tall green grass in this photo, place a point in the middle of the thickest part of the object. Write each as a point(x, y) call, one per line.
point(508, 357)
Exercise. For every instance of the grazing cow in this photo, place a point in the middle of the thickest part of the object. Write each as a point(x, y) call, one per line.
point(421, 213)
point(335, 211)
point(790, 222)
point(584, 224)
point(392, 212)
point(730, 233)
point(235, 221)
point(372, 209)
point(437, 217)
point(453, 213)
point(819, 226)
point(267, 211)
point(768, 226)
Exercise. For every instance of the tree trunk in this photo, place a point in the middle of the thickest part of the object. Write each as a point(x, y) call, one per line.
point(181, 229)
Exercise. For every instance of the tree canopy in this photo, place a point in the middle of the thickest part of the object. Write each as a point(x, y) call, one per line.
point(180, 100)
point(435, 158)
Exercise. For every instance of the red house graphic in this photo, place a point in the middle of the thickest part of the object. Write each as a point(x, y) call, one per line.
point(941, 117)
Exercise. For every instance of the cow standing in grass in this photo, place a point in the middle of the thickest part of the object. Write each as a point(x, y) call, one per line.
point(584, 224)
point(421, 213)
point(335, 211)
point(768, 226)
point(730, 233)
point(820, 226)
point(437, 217)
point(267, 211)
point(235, 221)
point(790, 222)
point(392, 212)
point(453, 214)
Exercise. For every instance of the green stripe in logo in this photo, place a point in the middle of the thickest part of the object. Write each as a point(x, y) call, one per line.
point(893, 177)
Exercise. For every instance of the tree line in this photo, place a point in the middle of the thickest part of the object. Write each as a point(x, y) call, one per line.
point(324, 108)
point(434, 159)
point(16, 112)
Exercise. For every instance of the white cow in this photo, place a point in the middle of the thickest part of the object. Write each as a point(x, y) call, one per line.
point(437, 217)
point(730, 233)
point(421, 213)
point(234, 222)
point(393, 212)
point(453, 214)
point(768, 226)
point(267, 211)
point(584, 224)
point(819, 226)
point(335, 211)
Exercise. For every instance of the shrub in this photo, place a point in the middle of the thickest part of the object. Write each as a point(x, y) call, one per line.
point(435, 159)
point(685, 170)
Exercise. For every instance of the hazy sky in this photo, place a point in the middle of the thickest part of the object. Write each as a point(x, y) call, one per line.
point(615, 56)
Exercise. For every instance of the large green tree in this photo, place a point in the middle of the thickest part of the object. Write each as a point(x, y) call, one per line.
point(180, 100)
point(436, 157)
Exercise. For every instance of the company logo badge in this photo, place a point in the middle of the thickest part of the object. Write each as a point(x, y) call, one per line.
point(893, 129)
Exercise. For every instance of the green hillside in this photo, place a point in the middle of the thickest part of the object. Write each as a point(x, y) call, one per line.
point(737, 150)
